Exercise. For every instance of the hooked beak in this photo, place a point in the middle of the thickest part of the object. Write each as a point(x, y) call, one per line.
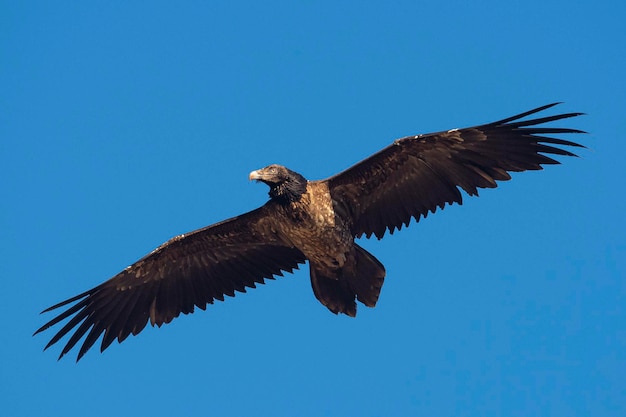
point(255, 175)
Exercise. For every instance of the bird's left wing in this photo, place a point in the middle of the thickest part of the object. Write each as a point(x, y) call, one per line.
point(188, 271)
point(415, 175)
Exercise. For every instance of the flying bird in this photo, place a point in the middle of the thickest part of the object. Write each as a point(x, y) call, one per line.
point(314, 221)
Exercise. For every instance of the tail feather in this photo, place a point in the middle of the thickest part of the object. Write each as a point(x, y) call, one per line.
point(361, 279)
point(334, 293)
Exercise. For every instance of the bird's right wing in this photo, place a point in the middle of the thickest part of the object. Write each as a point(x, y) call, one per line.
point(188, 271)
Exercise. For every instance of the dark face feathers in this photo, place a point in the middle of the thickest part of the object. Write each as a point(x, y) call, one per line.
point(286, 186)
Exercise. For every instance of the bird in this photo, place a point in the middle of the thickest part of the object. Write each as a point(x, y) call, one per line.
point(311, 221)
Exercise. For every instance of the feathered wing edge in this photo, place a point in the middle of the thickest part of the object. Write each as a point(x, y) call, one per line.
point(542, 130)
point(157, 289)
point(418, 174)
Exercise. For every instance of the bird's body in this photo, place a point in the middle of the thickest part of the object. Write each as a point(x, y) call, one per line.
point(315, 229)
point(314, 221)
point(311, 226)
point(340, 269)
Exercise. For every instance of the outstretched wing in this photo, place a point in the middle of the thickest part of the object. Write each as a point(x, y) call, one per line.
point(417, 174)
point(188, 271)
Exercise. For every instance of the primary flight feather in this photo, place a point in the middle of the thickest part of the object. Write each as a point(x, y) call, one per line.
point(314, 221)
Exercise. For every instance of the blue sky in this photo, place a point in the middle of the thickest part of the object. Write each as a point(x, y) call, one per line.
point(122, 125)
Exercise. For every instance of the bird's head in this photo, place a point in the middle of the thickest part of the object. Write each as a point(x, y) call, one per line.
point(286, 186)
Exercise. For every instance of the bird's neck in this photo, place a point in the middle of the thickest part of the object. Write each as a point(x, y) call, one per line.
point(289, 191)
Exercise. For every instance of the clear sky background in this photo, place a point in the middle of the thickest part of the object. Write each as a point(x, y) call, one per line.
point(122, 125)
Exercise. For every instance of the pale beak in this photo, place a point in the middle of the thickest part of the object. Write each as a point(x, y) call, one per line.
point(254, 175)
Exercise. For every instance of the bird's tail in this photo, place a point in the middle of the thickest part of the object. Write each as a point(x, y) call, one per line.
point(361, 281)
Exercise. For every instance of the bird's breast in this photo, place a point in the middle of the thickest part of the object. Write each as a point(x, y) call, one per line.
point(316, 230)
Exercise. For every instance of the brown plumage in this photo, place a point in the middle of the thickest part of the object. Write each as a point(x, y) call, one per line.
point(314, 221)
